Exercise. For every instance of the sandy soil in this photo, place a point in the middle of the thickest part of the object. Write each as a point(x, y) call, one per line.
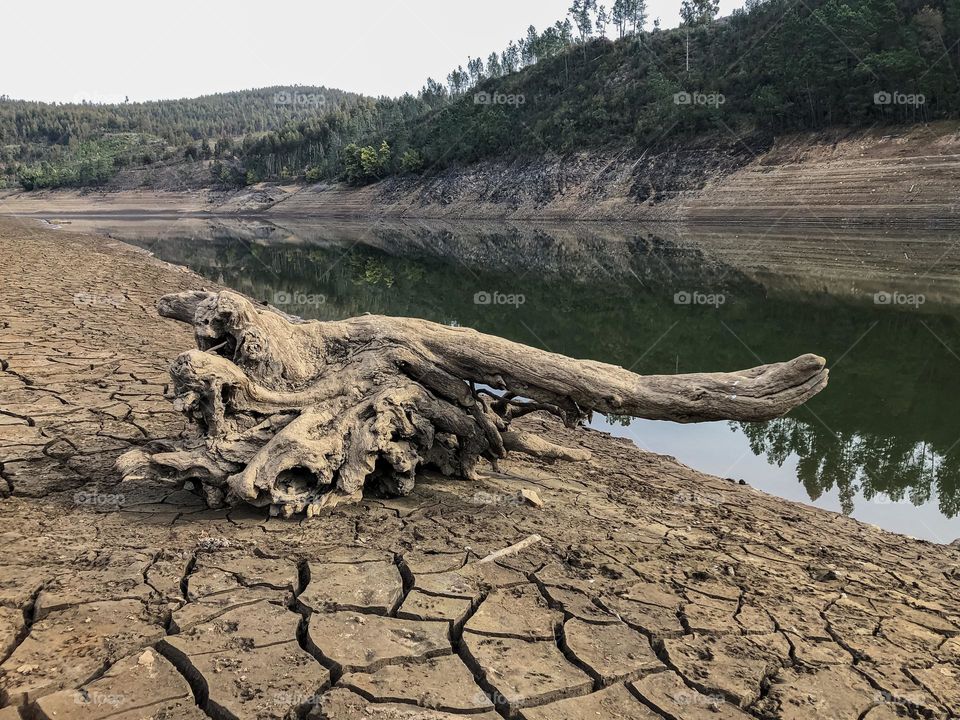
point(656, 591)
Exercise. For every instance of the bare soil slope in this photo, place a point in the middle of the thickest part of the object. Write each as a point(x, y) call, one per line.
point(905, 175)
point(909, 175)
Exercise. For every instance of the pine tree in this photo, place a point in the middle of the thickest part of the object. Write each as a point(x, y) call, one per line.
point(618, 16)
point(580, 11)
point(698, 12)
point(530, 45)
point(602, 21)
point(494, 69)
point(638, 15)
point(475, 68)
point(510, 58)
point(459, 81)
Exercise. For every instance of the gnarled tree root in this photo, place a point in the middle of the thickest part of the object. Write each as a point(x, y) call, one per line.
point(303, 415)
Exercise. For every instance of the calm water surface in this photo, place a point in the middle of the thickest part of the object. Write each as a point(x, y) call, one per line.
point(881, 443)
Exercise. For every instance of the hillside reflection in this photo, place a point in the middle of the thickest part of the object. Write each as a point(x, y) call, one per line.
point(886, 427)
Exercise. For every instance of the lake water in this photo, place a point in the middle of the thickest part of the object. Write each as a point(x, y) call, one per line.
point(881, 443)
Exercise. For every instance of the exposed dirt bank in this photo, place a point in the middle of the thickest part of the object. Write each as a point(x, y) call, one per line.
point(903, 175)
point(657, 591)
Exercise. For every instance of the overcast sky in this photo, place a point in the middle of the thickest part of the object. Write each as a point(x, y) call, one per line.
point(104, 50)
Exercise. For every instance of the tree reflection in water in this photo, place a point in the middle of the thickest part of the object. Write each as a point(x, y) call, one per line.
point(883, 469)
point(886, 427)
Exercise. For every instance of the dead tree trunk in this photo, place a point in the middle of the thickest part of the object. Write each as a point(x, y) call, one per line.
point(301, 415)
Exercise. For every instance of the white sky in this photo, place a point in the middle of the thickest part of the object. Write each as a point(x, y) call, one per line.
point(103, 50)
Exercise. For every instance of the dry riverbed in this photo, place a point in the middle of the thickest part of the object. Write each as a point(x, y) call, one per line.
point(655, 592)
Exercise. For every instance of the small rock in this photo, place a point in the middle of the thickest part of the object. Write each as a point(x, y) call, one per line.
point(212, 544)
point(531, 498)
point(827, 575)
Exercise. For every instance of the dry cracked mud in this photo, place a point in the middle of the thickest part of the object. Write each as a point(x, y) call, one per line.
point(133, 601)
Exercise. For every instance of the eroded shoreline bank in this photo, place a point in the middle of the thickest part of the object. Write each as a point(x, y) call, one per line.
point(727, 600)
point(899, 176)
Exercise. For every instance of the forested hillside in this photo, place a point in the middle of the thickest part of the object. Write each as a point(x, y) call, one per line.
point(79, 144)
point(781, 66)
point(596, 79)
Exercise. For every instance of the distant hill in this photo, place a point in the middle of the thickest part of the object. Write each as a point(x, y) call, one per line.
point(176, 121)
point(84, 143)
point(775, 67)
point(780, 66)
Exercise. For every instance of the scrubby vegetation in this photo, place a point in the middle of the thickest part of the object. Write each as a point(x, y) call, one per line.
point(595, 79)
point(91, 162)
point(53, 144)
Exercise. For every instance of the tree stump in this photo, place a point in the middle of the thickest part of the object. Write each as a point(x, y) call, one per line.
point(304, 415)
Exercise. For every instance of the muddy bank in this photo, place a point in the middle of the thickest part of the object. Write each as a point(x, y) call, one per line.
point(656, 592)
point(908, 176)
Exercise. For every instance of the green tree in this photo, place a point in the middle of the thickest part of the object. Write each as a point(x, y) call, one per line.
point(494, 69)
point(602, 21)
point(628, 16)
point(475, 69)
point(459, 81)
point(580, 12)
point(411, 162)
point(352, 165)
point(510, 58)
point(698, 12)
point(530, 46)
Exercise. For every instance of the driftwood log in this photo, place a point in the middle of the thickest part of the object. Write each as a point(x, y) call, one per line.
point(301, 415)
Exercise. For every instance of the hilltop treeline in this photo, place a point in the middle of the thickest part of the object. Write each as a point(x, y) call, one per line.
point(599, 79)
point(773, 67)
point(176, 121)
point(53, 144)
